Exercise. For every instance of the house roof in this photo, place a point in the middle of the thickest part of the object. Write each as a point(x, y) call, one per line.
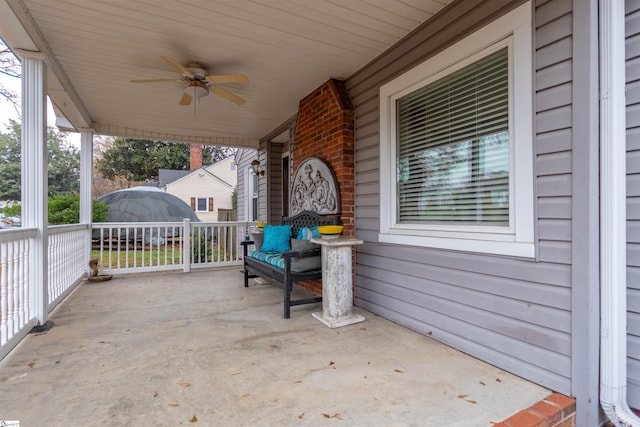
point(286, 48)
point(167, 176)
point(209, 170)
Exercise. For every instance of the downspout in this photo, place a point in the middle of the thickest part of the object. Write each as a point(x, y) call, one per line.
point(613, 330)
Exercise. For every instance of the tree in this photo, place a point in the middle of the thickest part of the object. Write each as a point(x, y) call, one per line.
point(10, 66)
point(140, 159)
point(217, 153)
point(63, 163)
point(10, 187)
point(64, 209)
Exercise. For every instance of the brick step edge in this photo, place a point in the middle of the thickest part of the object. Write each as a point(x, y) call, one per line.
point(555, 410)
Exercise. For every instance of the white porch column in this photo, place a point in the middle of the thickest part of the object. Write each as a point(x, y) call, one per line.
point(34, 175)
point(86, 179)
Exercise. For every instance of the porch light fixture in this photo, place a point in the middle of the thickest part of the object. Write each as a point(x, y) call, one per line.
point(197, 89)
point(255, 166)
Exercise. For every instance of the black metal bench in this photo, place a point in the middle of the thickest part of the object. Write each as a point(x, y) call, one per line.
point(285, 277)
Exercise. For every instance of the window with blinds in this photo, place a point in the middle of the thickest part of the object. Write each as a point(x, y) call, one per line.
point(452, 162)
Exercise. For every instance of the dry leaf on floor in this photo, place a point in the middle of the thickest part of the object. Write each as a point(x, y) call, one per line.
point(301, 416)
point(155, 394)
point(193, 419)
point(336, 415)
point(482, 383)
point(499, 380)
point(173, 405)
point(462, 396)
point(398, 371)
point(363, 329)
point(331, 362)
point(470, 401)
point(32, 363)
point(185, 384)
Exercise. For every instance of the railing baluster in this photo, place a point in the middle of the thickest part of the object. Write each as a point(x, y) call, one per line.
point(4, 285)
point(137, 247)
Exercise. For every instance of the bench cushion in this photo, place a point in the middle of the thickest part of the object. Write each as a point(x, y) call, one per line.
point(273, 258)
point(257, 239)
point(298, 264)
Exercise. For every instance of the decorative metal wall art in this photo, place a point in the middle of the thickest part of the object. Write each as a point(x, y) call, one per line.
point(314, 188)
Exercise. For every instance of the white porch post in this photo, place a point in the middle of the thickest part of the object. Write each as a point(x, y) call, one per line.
point(34, 175)
point(86, 178)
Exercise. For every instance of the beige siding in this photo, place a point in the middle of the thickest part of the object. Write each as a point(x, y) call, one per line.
point(200, 184)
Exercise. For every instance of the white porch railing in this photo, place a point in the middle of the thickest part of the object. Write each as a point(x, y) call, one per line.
point(148, 246)
point(17, 292)
point(119, 247)
point(129, 247)
point(17, 315)
point(66, 260)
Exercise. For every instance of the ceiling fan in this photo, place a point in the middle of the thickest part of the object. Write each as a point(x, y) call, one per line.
point(198, 83)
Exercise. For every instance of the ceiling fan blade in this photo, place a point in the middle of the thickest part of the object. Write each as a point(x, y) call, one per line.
point(226, 94)
point(178, 66)
point(228, 78)
point(186, 99)
point(153, 80)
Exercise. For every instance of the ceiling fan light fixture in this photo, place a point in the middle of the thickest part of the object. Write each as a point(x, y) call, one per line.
point(196, 89)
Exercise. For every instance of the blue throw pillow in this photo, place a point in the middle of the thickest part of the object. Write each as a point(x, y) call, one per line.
point(315, 232)
point(276, 238)
point(306, 233)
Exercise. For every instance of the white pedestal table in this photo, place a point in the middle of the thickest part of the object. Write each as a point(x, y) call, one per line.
point(337, 276)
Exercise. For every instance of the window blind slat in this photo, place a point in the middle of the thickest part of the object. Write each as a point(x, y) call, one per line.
point(453, 147)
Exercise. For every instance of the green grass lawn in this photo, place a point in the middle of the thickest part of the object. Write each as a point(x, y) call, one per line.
point(151, 257)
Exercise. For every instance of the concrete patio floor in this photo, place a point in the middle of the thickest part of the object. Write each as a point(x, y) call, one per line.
point(199, 349)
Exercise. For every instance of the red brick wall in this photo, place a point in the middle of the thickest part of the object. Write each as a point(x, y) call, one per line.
point(325, 129)
point(195, 158)
point(556, 410)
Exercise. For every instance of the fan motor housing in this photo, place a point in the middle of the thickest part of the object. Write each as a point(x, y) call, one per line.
point(197, 70)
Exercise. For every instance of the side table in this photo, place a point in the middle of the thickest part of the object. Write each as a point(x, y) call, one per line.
point(337, 291)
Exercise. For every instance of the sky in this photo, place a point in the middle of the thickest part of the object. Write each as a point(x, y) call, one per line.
point(7, 110)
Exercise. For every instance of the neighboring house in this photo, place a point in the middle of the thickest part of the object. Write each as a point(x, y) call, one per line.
point(167, 176)
point(206, 189)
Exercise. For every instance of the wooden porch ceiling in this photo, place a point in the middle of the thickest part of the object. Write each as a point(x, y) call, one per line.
point(287, 48)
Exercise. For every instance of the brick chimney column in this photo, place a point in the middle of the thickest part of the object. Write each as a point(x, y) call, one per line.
point(195, 156)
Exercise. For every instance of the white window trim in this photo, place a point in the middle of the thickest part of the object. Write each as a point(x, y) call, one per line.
point(249, 194)
point(513, 29)
point(206, 201)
